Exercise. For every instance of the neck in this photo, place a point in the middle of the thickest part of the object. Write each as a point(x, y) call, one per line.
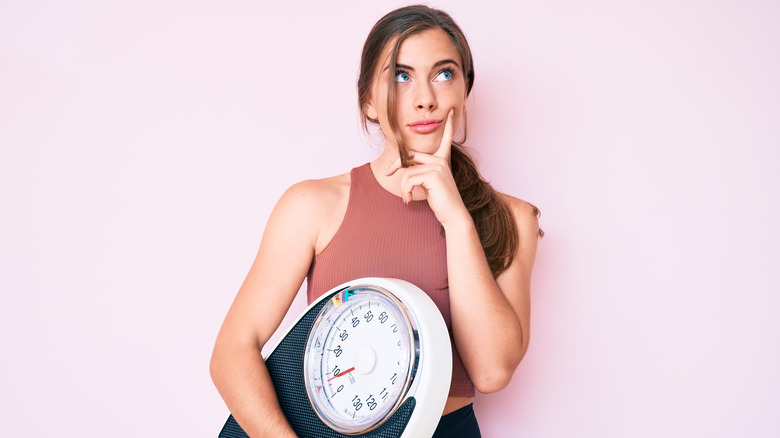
point(392, 183)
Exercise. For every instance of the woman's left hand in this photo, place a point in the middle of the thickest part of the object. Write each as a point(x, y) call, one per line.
point(432, 172)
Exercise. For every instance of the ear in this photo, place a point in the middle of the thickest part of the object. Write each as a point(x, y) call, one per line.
point(371, 110)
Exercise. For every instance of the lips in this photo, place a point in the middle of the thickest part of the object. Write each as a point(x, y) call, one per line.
point(425, 126)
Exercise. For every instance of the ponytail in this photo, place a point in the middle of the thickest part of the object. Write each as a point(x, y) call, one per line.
point(493, 217)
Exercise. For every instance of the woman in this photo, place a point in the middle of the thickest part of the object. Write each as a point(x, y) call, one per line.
point(420, 212)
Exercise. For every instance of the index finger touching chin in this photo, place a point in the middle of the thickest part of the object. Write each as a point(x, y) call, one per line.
point(446, 140)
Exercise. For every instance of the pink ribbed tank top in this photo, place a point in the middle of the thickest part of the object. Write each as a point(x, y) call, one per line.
point(381, 236)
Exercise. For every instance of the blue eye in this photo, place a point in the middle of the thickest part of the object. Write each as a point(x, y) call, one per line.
point(402, 76)
point(444, 75)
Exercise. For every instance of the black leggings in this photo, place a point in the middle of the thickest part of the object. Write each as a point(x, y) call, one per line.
point(458, 424)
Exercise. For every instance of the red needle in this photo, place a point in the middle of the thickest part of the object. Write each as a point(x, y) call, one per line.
point(342, 373)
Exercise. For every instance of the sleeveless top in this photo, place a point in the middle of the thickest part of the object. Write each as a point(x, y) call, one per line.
point(381, 236)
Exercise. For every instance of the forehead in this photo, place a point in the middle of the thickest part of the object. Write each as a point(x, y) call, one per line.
point(424, 49)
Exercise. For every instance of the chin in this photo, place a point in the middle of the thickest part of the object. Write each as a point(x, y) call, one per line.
point(425, 148)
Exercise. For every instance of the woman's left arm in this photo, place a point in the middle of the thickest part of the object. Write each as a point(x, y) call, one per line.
point(491, 317)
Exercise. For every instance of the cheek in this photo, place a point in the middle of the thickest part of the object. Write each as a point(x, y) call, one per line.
point(459, 104)
point(460, 115)
point(454, 96)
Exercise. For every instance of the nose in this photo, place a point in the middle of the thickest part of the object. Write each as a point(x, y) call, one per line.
point(425, 98)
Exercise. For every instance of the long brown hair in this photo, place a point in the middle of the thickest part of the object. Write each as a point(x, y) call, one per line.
point(492, 216)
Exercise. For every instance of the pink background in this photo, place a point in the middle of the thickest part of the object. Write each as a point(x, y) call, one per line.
point(143, 145)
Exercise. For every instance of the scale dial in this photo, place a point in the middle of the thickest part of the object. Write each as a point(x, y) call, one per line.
point(360, 359)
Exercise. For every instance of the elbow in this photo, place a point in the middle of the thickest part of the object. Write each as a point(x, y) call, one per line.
point(492, 381)
point(215, 365)
point(220, 360)
point(231, 355)
point(495, 376)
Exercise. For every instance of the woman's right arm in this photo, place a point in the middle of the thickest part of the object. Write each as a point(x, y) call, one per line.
point(282, 262)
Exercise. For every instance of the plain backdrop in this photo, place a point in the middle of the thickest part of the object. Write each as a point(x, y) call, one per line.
point(143, 145)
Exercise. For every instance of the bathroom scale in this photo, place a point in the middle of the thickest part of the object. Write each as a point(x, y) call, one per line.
point(370, 358)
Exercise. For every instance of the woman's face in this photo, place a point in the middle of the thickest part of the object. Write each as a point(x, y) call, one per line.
point(429, 81)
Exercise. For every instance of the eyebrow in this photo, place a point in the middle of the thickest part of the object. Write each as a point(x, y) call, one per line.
point(438, 64)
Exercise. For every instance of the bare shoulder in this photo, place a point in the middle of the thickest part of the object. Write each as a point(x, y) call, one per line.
point(526, 216)
point(316, 194)
point(319, 205)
